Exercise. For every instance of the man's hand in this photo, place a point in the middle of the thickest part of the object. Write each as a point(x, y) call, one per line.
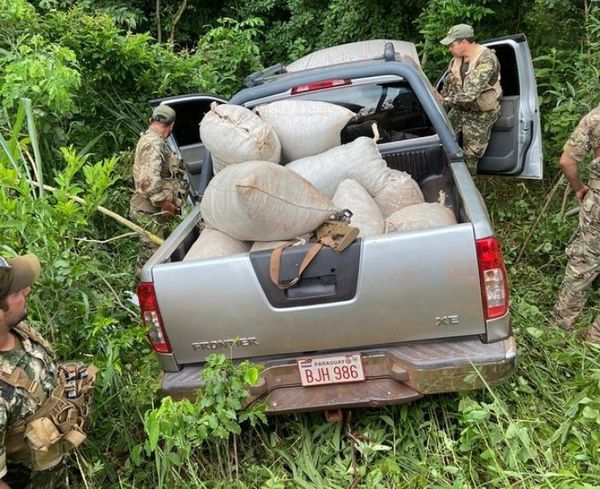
point(580, 194)
point(568, 165)
point(169, 208)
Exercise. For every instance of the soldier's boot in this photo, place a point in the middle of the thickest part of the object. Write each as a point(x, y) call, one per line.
point(563, 319)
point(566, 310)
point(572, 296)
point(593, 332)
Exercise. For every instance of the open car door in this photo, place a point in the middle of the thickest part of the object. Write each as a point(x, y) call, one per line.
point(185, 139)
point(515, 147)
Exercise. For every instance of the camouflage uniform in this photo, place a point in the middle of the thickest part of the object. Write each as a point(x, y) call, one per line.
point(472, 102)
point(37, 360)
point(157, 177)
point(583, 250)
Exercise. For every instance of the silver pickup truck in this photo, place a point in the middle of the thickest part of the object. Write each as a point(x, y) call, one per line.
point(393, 317)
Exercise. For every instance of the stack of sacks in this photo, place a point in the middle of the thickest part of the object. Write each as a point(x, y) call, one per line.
point(366, 215)
point(213, 243)
point(234, 134)
point(268, 204)
point(305, 127)
point(260, 201)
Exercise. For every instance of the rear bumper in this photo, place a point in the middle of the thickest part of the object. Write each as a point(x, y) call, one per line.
point(395, 374)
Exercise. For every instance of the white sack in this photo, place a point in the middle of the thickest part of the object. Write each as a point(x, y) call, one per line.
point(359, 160)
point(259, 201)
point(213, 243)
point(366, 215)
point(305, 127)
point(420, 216)
point(400, 191)
point(234, 134)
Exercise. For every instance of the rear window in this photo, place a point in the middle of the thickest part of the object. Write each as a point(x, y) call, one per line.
point(393, 106)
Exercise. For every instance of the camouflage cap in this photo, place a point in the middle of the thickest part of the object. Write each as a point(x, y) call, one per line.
point(460, 31)
point(18, 273)
point(164, 114)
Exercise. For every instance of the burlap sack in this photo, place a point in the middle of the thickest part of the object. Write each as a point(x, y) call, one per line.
point(305, 127)
point(359, 160)
point(366, 215)
point(400, 191)
point(259, 201)
point(213, 243)
point(420, 216)
point(234, 134)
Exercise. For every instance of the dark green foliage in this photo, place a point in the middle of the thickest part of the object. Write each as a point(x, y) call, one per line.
point(90, 81)
point(294, 28)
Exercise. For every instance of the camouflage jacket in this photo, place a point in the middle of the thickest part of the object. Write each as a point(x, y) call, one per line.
point(586, 138)
point(156, 174)
point(37, 360)
point(480, 89)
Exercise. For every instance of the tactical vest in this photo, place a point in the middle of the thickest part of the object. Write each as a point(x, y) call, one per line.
point(58, 424)
point(490, 95)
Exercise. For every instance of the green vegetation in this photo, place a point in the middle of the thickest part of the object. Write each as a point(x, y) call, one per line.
point(83, 71)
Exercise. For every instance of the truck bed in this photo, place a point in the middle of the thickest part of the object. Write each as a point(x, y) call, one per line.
point(382, 290)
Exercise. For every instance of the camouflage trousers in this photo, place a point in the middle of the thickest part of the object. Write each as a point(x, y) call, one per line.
point(583, 266)
point(476, 128)
point(158, 224)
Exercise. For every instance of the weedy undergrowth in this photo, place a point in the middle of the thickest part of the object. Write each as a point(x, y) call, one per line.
point(177, 431)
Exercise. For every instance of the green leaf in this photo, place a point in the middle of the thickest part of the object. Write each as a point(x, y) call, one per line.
point(174, 458)
point(251, 375)
point(590, 413)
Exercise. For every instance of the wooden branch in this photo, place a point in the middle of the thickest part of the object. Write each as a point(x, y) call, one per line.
point(120, 219)
point(572, 212)
point(565, 199)
point(133, 314)
point(539, 217)
point(104, 241)
point(176, 19)
point(158, 27)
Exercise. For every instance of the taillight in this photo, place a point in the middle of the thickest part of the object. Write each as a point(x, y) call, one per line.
point(311, 87)
point(151, 317)
point(492, 274)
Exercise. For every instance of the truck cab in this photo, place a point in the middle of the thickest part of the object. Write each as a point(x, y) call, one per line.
point(515, 147)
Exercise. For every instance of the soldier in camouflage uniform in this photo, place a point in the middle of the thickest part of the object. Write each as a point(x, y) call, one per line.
point(158, 178)
point(31, 389)
point(583, 250)
point(471, 91)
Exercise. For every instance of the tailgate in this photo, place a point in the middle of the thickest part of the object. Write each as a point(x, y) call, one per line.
point(396, 287)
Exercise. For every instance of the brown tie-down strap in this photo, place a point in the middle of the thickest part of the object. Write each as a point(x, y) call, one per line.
point(335, 234)
point(275, 265)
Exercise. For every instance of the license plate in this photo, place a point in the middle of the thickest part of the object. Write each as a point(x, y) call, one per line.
point(331, 370)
